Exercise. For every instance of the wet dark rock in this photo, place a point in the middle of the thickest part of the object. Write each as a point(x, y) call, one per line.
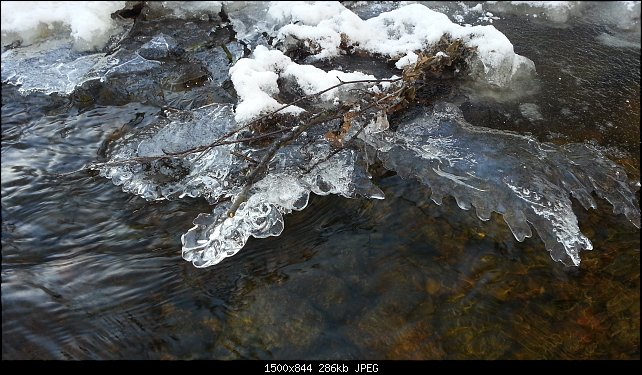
point(160, 47)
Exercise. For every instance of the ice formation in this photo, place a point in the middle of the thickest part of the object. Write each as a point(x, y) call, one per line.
point(529, 183)
point(216, 175)
point(217, 236)
point(89, 23)
point(201, 174)
point(66, 68)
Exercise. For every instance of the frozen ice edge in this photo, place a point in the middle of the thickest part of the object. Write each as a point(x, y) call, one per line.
point(529, 183)
point(217, 236)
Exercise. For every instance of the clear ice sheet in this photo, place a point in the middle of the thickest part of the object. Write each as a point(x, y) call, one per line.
point(197, 175)
point(529, 183)
point(217, 174)
point(52, 66)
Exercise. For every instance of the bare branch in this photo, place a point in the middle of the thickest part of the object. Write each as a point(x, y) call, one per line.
point(263, 163)
point(222, 140)
point(305, 97)
point(240, 155)
point(352, 139)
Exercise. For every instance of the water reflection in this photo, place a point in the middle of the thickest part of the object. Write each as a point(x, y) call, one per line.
point(347, 279)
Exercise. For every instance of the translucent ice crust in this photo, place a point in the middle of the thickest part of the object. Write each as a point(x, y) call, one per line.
point(529, 183)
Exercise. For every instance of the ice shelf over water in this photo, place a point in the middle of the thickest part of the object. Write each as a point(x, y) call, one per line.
point(528, 182)
point(198, 175)
point(65, 68)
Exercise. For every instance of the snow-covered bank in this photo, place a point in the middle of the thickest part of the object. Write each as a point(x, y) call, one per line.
point(89, 23)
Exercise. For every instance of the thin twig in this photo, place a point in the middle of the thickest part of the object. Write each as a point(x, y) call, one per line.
point(309, 96)
point(262, 166)
point(240, 155)
point(222, 140)
point(347, 143)
point(182, 153)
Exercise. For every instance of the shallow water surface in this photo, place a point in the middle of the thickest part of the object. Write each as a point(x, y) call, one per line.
point(91, 272)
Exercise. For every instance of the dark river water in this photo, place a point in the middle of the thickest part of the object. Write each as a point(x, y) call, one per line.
point(90, 272)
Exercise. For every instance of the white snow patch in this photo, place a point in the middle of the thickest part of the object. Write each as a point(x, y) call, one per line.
point(409, 59)
point(477, 8)
point(396, 34)
point(255, 81)
point(89, 23)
